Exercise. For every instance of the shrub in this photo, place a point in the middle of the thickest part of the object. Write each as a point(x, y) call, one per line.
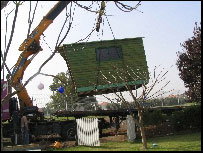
point(187, 118)
point(177, 120)
point(193, 116)
point(153, 118)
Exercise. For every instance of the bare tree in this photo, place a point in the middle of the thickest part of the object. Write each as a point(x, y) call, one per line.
point(122, 75)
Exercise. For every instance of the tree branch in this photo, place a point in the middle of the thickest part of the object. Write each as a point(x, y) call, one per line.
point(10, 40)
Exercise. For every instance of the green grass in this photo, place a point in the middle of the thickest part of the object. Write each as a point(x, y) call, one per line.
point(186, 142)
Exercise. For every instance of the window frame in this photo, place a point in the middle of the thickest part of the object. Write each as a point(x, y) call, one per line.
point(99, 50)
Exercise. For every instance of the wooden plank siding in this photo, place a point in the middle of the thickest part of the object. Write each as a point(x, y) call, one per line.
point(85, 69)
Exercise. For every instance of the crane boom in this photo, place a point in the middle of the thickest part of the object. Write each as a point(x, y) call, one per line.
point(31, 46)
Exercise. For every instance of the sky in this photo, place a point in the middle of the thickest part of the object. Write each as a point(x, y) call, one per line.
point(163, 24)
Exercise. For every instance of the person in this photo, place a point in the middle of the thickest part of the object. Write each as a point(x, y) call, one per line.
point(25, 130)
point(117, 125)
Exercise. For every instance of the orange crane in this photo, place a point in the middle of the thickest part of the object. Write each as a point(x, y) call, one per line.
point(31, 47)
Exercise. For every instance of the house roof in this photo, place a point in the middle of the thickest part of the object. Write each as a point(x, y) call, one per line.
point(103, 104)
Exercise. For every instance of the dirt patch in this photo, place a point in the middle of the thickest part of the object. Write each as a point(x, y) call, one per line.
point(69, 143)
point(117, 138)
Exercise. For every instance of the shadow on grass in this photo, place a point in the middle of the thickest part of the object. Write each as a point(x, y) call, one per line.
point(178, 138)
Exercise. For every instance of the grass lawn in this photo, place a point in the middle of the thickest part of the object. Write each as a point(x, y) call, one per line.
point(186, 142)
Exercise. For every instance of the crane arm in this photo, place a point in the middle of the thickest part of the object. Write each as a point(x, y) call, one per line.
point(31, 46)
point(43, 25)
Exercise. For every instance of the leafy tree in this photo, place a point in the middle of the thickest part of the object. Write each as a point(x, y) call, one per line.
point(60, 100)
point(189, 64)
point(88, 103)
point(68, 99)
point(113, 106)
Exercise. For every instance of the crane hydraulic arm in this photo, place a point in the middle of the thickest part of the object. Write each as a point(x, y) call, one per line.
point(31, 46)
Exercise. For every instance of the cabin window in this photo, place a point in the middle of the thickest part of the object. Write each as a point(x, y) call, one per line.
point(108, 54)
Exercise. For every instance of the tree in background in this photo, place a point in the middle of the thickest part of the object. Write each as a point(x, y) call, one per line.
point(60, 101)
point(167, 101)
point(189, 64)
point(68, 99)
point(87, 103)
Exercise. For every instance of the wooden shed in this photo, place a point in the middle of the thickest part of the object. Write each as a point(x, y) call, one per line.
point(89, 62)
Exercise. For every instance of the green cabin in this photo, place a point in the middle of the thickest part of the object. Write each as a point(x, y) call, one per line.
point(91, 64)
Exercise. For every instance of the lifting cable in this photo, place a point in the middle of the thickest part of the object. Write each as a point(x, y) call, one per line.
point(101, 42)
point(115, 43)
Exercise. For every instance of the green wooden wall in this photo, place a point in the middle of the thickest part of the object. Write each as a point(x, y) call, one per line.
point(86, 70)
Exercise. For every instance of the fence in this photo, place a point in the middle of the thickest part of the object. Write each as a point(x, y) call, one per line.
point(88, 132)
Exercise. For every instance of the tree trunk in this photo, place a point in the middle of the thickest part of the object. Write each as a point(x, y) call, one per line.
point(144, 140)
